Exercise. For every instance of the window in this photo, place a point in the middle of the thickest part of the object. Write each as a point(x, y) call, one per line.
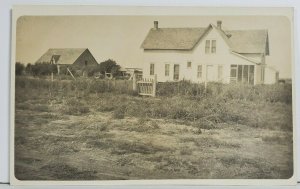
point(213, 46)
point(167, 69)
point(151, 69)
point(189, 64)
point(210, 46)
point(86, 62)
point(245, 74)
point(251, 74)
point(199, 71)
point(233, 73)
point(233, 70)
point(176, 72)
point(220, 72)
point(242, 73)
point(207, 46)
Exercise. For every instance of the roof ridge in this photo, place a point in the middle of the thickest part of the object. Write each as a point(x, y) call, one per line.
point(186, 38)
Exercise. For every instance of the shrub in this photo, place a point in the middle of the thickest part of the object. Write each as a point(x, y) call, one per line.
point(43, 69)
point(180, 88)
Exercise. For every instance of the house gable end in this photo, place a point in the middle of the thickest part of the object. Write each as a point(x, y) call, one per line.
point(211, 34)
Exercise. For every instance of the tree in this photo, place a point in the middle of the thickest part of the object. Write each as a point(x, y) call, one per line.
point(28, 68)
point(19, 68)
point(109, 66)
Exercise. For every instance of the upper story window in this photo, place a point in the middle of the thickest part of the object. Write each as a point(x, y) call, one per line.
point(207, 46)
point(213, 46)
point(189, 64)
point(210, 46)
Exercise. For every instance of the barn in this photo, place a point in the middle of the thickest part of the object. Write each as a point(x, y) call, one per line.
point(76, 57)
point(206, 54)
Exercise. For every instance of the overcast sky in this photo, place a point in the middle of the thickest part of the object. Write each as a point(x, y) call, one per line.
point(120, 37)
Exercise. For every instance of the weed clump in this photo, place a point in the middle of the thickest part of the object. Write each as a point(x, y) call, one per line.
point(119, 113)
point(74, 106)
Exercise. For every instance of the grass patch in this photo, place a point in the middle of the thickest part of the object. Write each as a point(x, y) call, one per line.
point(210, 142)
point(61, 148)
point(125, 147)
point(186, 151)
point(62, 171)
point(195, 133)
point(275, 139)
point(74, 106)
point(119, 113)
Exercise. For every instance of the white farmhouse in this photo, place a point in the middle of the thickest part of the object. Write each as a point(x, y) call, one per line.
point(206, 54)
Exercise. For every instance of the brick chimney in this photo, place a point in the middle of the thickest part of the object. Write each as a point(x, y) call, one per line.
point(219, 24)
point(156, 25)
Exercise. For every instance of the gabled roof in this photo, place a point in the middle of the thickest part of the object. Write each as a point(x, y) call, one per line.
point(61, 56)
point(249, 41)
point(173, 38)
point(240, 41)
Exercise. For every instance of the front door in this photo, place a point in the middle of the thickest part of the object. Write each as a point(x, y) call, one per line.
point(176, 72)
point(210, 74)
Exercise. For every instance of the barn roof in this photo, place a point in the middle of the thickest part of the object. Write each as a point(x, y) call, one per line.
point(240, 41)
point(61, 56)
point(173, 38)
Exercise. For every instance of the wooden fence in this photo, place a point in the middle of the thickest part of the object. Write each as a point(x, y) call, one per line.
point(145, 86)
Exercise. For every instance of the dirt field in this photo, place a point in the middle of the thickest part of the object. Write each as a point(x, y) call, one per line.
point(92, 136)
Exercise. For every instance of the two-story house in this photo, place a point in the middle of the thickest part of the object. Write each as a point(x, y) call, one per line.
point(206, 54)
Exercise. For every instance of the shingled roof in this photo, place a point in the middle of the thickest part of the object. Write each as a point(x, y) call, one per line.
point(249, 41)
point(240, 41)
point(173, 38)
point(61, 56)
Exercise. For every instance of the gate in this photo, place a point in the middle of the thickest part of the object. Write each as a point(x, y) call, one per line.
point(146, 86)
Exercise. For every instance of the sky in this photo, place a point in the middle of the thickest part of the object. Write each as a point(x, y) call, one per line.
point(120, 37)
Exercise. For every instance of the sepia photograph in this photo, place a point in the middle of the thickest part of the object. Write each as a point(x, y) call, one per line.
point(150, 97)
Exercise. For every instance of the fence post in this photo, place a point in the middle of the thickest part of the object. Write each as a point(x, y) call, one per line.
point(52, 76)
point(134, 84)
point(71, 73)
point(154, 85)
